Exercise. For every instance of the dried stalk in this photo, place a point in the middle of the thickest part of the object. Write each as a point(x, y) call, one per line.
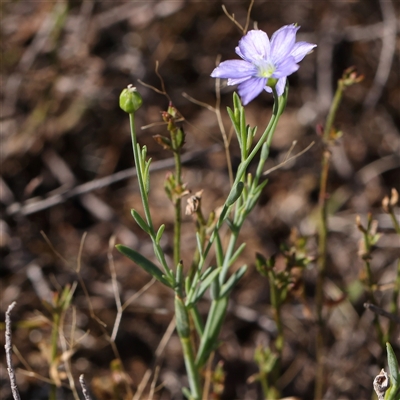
point(84, 388)
point(8, 348)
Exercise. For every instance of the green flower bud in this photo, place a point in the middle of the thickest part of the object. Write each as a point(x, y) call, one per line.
point(130, 99)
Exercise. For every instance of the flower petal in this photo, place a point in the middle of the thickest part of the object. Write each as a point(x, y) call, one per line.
point(250, 89)
point(280, 86)
point(234, 69)
point(237, 81)
point(301, 49)
point(268, 89)
point(254, 46)
point(285, 68)
point(282, 42)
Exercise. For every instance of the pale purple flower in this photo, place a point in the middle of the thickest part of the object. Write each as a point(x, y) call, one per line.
point(265, 62)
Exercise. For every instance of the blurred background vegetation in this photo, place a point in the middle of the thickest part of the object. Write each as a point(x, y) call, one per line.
point(63, 66)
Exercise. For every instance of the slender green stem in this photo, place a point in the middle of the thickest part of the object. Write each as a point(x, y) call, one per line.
point(264, 383)
point(229, 253)
point(177, 198)
point(177, 231)
point(193, 374)
point(198, 322)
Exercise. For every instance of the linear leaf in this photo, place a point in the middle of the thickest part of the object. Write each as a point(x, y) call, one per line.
point(143, 262)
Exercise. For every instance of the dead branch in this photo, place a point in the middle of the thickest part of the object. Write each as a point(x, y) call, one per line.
point(383, 313)
point(8, 348)
point(387, 53)
point(84, 388)
point(30, 207)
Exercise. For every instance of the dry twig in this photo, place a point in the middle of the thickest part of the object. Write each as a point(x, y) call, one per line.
point(387, 53)
point(8, 347)
point(159, 352)
point(288, 158)
point(30, 207)
point(84, 388)
point(383, 313)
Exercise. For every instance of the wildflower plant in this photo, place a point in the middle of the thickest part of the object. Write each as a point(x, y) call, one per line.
point(265, 66)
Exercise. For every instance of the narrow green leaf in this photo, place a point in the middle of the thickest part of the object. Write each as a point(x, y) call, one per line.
point(229, 285)
point(140, 221)
point(146, 175)
point(215, 289)
point(205, 285)
point(235, 125)
point(206, 273)
point(179, 277)
point(186, 393)
point(219, 251)
point(198, 242)
point(187, 284)
point(182, 318)
point(264, 151)
point(237, 253)
point(243, 127)
point(143, 262)
point(144, 152)
point(235, 193)
point(237, 104)
point(393, 365)
point(208, 341)
point(160, 233)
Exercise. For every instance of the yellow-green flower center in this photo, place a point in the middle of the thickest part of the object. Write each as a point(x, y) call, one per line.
point(265, 69)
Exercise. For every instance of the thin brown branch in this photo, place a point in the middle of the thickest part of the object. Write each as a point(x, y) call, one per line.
point(8, 348)
point(52, 248)
point(111, 245)
point(138, 294)
point(232, 18)
point(154, 381)
point(288, 159)
point(159, 352)
point(388, 50)
point(246, 26)
point(377, 310)
point(163, 90)
point(198, 102)
point(30, 207)
point(217, 111)
point(85, 391)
